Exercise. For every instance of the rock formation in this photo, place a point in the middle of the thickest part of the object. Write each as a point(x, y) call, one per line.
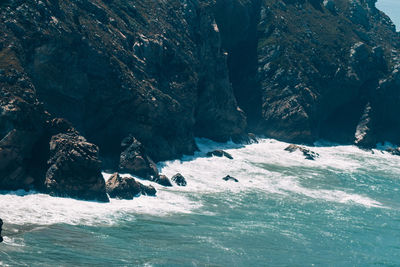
point(310, 155)
point(179, 179)
point(230, 178)
point(219, 153)
point(134, 159)
point(163, 72)
point(127, 187)
point(1, 228)
point(75, 170)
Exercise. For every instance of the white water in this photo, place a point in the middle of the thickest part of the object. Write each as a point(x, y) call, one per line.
point(264, 167)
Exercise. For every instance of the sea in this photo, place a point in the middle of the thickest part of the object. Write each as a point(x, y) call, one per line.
point(341, 209)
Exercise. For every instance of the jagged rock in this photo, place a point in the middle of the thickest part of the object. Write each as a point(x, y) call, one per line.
point(21, 124)
point(127, 187)
point(322, 93)
point(155, 69)
point(135, 160)
point(163, 180)
point(310, 155)
point(230, 178)
point(249, 138)
point(179, 179)
point(148, 190)
point(365, 136)
point(1, 228)
point(219, 153)
point(394, 151)
point(75, 170)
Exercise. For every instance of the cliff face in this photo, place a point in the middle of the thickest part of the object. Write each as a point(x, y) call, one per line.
point(166, 71)
point(320, 64)
point(312, 68)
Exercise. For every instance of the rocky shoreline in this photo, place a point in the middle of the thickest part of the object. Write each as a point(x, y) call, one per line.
point(92, 85)
point(1, 228)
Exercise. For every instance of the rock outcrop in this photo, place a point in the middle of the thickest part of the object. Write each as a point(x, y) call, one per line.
point(179, 179)
point(75, 170)
point(230, 178)
point(394, 151)
point(135, 160)
point(310, 155)
point(167, 71)
point(1, 228)
point(219, 153)
point(313, 69)
point(163, 180)
point(127, 187)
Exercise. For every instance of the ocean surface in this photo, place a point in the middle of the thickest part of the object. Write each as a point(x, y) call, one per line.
point(343, 209)
point(392, 9)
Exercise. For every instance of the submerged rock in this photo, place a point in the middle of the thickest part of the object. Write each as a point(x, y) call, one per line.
point(75, 169)
point(219, 153)
point(179, 179)
point(230, 178)
point(1, 228)
point(127, 187)
point(310, 155)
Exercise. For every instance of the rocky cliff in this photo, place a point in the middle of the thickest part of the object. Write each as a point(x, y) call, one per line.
point(167, 71)
point(314, 69)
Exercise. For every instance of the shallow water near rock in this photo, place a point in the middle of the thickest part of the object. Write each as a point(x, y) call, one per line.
point(342, 209)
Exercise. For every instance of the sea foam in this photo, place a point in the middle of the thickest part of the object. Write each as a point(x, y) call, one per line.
point(265, 167)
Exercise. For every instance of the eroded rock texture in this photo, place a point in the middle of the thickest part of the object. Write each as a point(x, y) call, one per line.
point(75, 170)
point(167, 71)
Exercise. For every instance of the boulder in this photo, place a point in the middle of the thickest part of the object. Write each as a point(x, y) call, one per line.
point(219, 153)
point(75, 169)
point(163, 180)
point(230, 178)
point(135, 160)
point(1, 226)
point(148, 190)
point(310, 155)
point(127, 187)
point(179, 179)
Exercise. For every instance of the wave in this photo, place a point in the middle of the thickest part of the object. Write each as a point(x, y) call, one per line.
point(264, 167)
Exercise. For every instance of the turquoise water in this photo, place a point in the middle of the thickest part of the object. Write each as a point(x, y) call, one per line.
point(392, 9)
point(341, 210)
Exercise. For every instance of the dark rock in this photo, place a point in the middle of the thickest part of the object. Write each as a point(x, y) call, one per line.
point(135, 160)
point(394, 151)
point(230, 178)
point(249, 138)
point(123, 188)
point(148, 190)
point(163, 180)
point(127, 187)
point(310, 155)
point(1, 228)
point(219, 153)
point(75, 170)
point(179, 179)
point(321, 92)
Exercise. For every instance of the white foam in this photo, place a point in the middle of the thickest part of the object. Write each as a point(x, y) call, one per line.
point(30, 208)
point(265, 167)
